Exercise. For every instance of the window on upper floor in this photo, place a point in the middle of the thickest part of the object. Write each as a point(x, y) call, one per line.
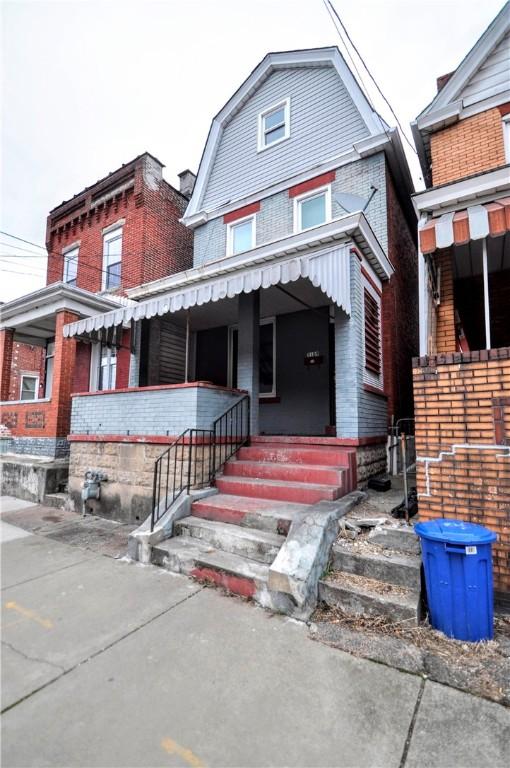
point(312, 209)
point(112, 258)
point(29, 387)
point(240, 235)
point(506, 136)
point(274, 125)
point(372, 331)
point(71, 265)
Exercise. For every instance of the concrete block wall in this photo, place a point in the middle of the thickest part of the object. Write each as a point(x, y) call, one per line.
point(166, 410)
point(275, 219)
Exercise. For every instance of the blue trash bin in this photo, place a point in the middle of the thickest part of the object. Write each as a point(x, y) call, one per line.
point(457, 561)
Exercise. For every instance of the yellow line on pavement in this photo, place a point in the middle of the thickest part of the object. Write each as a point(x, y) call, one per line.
point(29, 614)
point(171, 746)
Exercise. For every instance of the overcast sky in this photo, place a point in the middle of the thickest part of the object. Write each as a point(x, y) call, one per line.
point(89, 84)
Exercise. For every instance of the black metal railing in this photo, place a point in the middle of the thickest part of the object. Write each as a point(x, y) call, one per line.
point(192, 461)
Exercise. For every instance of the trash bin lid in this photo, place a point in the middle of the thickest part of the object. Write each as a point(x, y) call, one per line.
point(454, 532)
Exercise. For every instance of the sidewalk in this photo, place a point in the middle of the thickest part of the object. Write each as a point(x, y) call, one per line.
point(109, 663)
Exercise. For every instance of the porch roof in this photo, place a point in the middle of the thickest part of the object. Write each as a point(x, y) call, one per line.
point(324, 260)
point(459, 227)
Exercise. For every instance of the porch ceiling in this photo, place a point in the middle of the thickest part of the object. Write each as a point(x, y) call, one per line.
point(467, 258)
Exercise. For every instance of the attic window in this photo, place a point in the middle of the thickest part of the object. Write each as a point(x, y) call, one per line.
point(274, 125)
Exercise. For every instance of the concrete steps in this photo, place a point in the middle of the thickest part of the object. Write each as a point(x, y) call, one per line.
point(56, 500)
point(381, 576)
point(284, 453)
point(279, 490)
point(262, 546)
point(303, 473)
point(264, 514)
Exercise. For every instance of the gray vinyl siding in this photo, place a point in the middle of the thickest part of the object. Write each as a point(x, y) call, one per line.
point(275, 219)
point(323, 123)
point(492, 77)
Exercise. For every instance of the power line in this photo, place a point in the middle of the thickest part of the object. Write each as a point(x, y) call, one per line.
point(25, 250)
point(22, 239)
point(370, 74)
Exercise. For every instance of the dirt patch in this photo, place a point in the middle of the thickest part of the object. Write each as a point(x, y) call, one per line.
point(362, 582)
point(480, 668)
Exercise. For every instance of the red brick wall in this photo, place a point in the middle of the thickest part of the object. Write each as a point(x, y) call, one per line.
point(399, 310)
point(445, 327)
point(470, 146)
point(81, 377)
point(123, 360)
point(464, 400)
point(26, 359)
point(154, 244)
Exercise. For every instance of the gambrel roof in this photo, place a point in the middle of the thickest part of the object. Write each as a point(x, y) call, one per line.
point(374, 128)
point(481, 81)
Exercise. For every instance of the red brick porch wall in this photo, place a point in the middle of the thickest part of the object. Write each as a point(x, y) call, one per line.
point(462, 410)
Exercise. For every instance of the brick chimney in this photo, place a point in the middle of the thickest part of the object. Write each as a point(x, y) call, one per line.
point(187, 182)
point(442, 80)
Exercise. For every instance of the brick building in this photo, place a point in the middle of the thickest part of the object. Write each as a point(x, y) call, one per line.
point(462, 377)
point(119, 233)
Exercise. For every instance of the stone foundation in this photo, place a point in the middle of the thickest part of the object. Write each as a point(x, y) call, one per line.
point(371, 460)
point(49, 447)
point(127, 494)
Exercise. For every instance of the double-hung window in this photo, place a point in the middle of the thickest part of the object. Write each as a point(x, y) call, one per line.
point(29, 387)
point(107, 367)
point(71, 265)
point(112, 258)
point(274, 125)
point(240, 235)
point(312, 209)
point(48, 368)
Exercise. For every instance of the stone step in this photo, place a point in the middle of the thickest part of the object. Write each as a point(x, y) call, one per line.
point(262, 546)
point(264, 514)
point(294, 454)
point(302, 493)
point(183, 554)
point(400, 539)
point(56, 500)
point(399, 569)
point(359, 596)
point(303, 473)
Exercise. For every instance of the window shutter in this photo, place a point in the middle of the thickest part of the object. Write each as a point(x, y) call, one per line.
point(372, 334)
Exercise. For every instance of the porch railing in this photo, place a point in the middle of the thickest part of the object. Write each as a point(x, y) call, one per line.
point(192, 461)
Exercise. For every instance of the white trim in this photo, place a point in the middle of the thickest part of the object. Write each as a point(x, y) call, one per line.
point(9, 403)
point(506, 136)
point(456, 195)
point(112, 227)
point(423, 304)
point(70, 254)
point(312, 57)
point(71, 247)
point(111, 233)
point(95, 351)
point(36, 390)
point(230, 233)
point(299, 199)
point(262, 131)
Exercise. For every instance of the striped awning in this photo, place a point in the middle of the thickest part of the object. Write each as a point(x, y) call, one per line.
point(459, 227)
point(328, 270)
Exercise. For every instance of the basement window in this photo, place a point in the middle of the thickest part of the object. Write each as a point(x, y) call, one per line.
point(29, 387)
point(274, 125)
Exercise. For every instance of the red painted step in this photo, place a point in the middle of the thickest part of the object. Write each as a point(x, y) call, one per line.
point(284, 454)
point(302, 473)
point(266, 514)
point(303, 493)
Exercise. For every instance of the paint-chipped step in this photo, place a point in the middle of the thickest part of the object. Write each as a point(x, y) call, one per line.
point(399, 569)
point(302, 493)
point(265, 514)
point(262, 546)
point(56, 500)
point(188, 556)
point(320, 455)
point(304, 473)
point(359, 596)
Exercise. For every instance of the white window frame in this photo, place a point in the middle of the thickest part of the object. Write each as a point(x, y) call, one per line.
point(231, 329)
point(109, 234)
point(70, 254)
point(49, 369)
point(261, 131)
point(506, 136)
point(299, 199)
point(230, 233)
point(36, 390)
point(95, 365)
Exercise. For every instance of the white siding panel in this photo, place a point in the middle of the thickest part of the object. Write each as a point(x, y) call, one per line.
point(492, 77)
point(323, 123)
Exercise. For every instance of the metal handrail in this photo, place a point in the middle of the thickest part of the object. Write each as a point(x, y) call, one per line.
point(195, 457)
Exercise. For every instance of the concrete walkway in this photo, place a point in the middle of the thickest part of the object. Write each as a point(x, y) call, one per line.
point(107, 663)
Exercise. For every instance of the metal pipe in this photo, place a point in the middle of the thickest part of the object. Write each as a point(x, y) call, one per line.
point(404, 471)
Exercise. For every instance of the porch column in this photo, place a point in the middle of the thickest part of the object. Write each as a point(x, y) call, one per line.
point(134, 359)
point(248, 352)
point(347, 374)
point(63, 375)
point(6, 348)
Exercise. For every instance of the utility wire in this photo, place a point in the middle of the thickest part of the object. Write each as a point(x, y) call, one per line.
point(22, 239)
point(330, 4)
point(25, 250)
